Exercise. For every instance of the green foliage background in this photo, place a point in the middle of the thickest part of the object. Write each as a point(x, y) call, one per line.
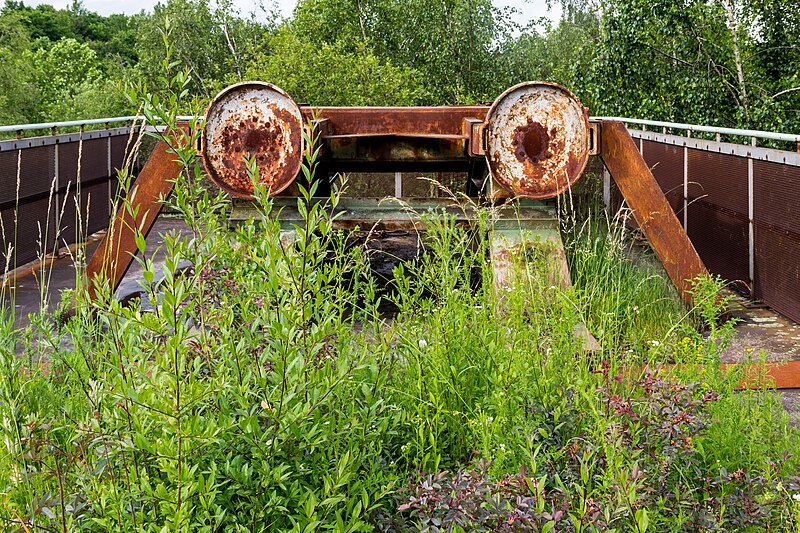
point(717, 62)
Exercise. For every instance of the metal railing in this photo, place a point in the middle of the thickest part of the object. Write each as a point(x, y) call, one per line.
point(718, 131)
point(57, 189)
point(739, 203)
point(18, 128)
point(642, 122)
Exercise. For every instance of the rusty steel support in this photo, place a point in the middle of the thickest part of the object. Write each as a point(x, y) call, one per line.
point(650, 207)
point(755, 375)
point(535, 138)
point(115, 254)
point(444, 121)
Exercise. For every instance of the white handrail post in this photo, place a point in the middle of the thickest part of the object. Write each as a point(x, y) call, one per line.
point(750, 227)
point(686, 184)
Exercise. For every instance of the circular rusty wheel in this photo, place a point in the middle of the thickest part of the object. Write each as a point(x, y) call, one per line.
point(537, 140)
point(258, 120)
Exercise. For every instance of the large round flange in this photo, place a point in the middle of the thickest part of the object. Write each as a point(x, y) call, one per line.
point(537, 139)
point(253, 119)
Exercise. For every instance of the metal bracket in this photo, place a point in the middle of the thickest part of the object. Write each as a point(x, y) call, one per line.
point(475, 131)
point(594, 138)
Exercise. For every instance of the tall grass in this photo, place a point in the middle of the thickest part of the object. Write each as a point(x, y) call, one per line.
point(267, 391)
point(623, 293)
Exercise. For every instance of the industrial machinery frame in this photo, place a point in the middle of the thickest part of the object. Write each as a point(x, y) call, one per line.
point(533, 142)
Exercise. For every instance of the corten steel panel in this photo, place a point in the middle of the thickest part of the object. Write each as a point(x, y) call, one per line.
point(666, 163)
point(94, 205)
point(67, 164)
point(776, 195)
point(777, 268)
point(94, 163)
point(119, 144)
point(8, 176)
point(37, 170)
point(720, 237)
point(719, 179)
point(35, 232)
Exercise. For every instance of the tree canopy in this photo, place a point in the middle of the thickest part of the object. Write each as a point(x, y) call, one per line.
point(725, 62)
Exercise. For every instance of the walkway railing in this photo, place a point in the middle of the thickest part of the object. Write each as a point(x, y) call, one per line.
point(739, 204)
point(57, 189)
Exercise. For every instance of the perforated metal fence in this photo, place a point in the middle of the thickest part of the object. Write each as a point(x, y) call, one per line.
point(57, 190)
point(740, 206)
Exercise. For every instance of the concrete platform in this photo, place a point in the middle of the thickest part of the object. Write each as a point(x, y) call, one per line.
point(27, 296)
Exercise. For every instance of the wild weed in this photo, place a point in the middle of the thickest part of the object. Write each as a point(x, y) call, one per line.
point(260, 389)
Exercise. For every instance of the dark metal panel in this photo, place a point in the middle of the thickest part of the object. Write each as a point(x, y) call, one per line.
point(666, 164)
point(94, 208)
point(720, 237)
point(37, 170)
point(776, 212)
point(31, 236)
point(719, 179)
point(777, 268)
point(67, 164)
point(94, 160)
point(8, 176)
point(119, 145)
point(776, 194)
point(99, 207)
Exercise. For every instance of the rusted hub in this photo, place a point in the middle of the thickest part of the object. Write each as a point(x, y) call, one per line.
point(537, 139)
point(258, 120)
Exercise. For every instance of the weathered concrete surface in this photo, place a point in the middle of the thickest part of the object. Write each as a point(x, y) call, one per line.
point(761, 328)
point(60, 275)
point(765, 333)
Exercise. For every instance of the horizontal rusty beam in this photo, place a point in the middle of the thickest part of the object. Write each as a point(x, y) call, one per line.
point(757, 375)
point(410, 121)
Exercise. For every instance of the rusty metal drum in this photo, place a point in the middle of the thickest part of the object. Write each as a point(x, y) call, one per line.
point(258, 120)
point(537, 140)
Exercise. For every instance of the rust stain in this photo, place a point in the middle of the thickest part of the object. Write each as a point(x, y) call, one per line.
point(252, 120)
point(538, 140)
point(263, 139)
point(531, 142)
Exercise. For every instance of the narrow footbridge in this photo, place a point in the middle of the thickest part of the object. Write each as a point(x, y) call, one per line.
point(735, 192)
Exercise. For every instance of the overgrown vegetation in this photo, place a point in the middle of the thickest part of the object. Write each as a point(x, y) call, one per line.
point(266, 391)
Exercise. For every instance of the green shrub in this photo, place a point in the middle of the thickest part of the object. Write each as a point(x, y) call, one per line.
point(266, 390)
